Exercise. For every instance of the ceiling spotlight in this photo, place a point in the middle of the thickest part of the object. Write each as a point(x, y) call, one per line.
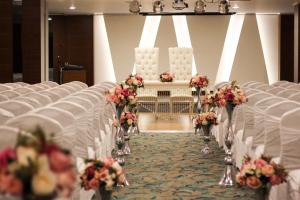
point(179, 4)
point(135, 6)
point(224, 7)
point(200, 7)
point(72, 7)
point(158, 6)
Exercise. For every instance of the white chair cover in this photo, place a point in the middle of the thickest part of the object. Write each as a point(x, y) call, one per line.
point(146, 63)
point(181, 60)
point(3, 98)
point(13, 85)
point(275, 90)
point(248, 83)
point(278, 83)
point(53, 96)
point(60, 92)
point(51, 84)
point(10, 94)
point(8, 136)
point(294, 87)
point(81, 84)
point(5, 116)
point(255, 85)
point(33, 102)
point(264, 87)
point(42, 99)
point(295, 97)
point(23, 90)
point(287, 93)
point(221, 84)
point(35, 87)
point(4, 87)
point(16, 107)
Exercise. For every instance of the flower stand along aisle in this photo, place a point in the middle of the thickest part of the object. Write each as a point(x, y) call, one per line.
point(199, 83)
point(229, 97)
point(36, 169)
point(102, 176)
point(260, 175)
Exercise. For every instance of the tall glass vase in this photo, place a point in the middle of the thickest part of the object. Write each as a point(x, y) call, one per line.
point(119, 109)
point(119, 156)
point(206, 131)
point(126, 147)
point(199, 106)
point(228, 177)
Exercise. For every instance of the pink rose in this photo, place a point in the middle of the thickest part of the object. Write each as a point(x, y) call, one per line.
point(253, 182)
point(260, 163)
point(268, 170)
point(60, 161)
point(240, 180)
point(9, 184)
point(108, 162)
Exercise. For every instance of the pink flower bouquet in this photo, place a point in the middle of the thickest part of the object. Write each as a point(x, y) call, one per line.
point(260, 173)
point(102, 174)
point(122, 96)
point(128, 119)
point(135, 81)
point(205, 119)
point(230, 94)
point(36, 169)
point(199, 81)
point(167, 77)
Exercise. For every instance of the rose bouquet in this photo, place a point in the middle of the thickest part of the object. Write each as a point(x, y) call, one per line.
point(135, 81)
point(102, 175)
point(36, 169)
point(199, 81)
point(260, 174)
point(230, 94)
point(167, 77)
point(128, 119)
point(205, 119)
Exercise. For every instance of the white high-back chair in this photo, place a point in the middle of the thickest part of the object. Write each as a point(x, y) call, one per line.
point(255, 85)
point(60, 92)
point(80, 84)
point(294, 87)
point(248, 83)
point(8, 136)
point(35, 87)
point(287, 93)
point(33, 102)
point(51, 84)
point(275, 90)
point(264, 87)
point(279, 83)
point(23, 90)
point(146, 63)
point(5, 116)
point(181, 62)
point(3, 98)
point(42, 99)
point(53, 96)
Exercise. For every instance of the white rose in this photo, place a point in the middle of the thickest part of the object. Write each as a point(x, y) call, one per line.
point(25, 155)
point(129, 121)
point(44, 183)
point(135, 82)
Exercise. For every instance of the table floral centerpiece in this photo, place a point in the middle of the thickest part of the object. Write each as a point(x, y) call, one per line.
point(260, 175)
point(167, 77)
point(36, 169)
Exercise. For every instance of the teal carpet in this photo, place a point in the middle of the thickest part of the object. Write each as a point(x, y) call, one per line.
point(170, 166)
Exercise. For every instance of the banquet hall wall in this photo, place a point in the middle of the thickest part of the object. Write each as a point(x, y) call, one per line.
point(207, 36)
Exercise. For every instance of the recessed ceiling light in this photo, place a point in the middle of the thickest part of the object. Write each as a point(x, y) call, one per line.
point(72, 7)
point(49, 18)
point(235, 6)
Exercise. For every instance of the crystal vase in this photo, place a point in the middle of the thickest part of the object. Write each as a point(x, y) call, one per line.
point(119, 155)
point(198, 90)
point(126, 147)
point(206, 131)
point(228, 177)
point(119, 110)
point(102, 194)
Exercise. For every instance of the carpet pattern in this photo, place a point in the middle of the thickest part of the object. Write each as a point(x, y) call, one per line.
point(169, 166)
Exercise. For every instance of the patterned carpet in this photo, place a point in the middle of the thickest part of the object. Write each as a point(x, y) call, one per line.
point(169, 166)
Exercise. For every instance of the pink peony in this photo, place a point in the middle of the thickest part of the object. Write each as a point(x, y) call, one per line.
point(268, 170)
point(60, 161)
point(275, 180)
point(11, 185)
point(108, 162)
point(260, 163)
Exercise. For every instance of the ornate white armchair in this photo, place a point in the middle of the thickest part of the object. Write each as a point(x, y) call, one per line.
point(146, 63)
point(181, 60)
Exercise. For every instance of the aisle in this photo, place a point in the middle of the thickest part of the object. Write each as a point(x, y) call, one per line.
point(169, 166)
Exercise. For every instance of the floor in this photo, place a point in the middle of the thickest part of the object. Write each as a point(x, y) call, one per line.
point(165, 123)
point(167, 166)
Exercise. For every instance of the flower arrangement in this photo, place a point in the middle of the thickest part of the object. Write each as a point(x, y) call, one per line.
point(230, 95)
point(122, 96)
point(167, 77)
point(128, 119)
point(36, 169)
point(260, 173)
point(205, 119)
point(199, 81)
point(135, 81)
point(102, 174)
